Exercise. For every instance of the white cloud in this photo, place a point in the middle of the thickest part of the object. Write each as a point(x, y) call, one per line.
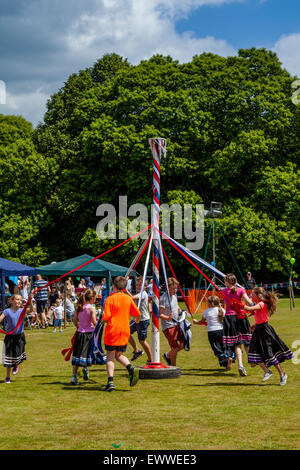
point(30, 105)
point(141, 29)
point(288, 50)
point(50, 40)
point(42, 43)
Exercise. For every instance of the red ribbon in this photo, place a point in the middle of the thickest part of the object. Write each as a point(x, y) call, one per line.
point(236, 305)
point(22, 315)
point(68, 351)
point(21, 318)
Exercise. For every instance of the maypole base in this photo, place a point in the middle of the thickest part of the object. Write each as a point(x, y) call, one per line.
point(157, 370)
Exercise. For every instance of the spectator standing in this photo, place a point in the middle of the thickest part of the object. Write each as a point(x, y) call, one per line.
point(251, 283)
point(25, 288)
point(58, 315)
point(41, 298)
point(70, 308)
point(82, 284)
point(53, 296)
point(89, 283)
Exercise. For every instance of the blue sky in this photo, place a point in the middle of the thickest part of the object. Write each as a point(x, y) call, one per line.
point(42, 42)
point(247, 24)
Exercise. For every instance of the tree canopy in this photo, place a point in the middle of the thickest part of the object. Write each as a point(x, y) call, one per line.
point(232, 136)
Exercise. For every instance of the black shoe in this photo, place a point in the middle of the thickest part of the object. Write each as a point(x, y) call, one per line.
point(134, 375)
point(85, 373)
point(137, 354)
point(110, 386)
point(167, 359)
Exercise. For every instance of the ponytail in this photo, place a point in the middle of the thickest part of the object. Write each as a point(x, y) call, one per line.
point(85, 296)
point(271, 300)
point(215, 301)
point(79, 303)
point(269, 297)
point(232, 280)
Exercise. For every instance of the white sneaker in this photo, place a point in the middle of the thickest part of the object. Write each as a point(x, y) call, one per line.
point(267, 376)
point(242, 371)
point(74, 380)
point(283, 379)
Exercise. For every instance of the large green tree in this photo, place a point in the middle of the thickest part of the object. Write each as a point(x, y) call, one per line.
point(26, 178)
point(232, 136)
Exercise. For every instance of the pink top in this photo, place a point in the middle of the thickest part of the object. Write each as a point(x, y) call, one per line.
point(236, 296)
point(85, 321)
point(262, 315)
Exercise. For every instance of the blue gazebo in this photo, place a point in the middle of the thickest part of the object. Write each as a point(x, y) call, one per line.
point(11, 268)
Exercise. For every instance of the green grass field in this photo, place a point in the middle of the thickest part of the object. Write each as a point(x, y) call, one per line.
point(206, 408)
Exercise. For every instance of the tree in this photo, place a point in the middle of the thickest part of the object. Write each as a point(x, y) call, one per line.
point(26, 178)
point(231, 128)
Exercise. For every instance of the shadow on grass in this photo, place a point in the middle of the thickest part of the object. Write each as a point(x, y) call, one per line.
point(232, 384)
point(212, 372)
point(98, 388)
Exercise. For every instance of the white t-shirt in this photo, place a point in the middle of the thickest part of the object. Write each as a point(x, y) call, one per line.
point(59, 311)
point(167, 309)
point(144, 306)
point(212, 318)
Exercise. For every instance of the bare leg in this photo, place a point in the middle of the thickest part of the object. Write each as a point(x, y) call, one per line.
point(147, 349)
point(133, 344)
point(238, 353)
point(173, 353)
point(110, 364)
point(264, 367)
point(122, 359)
point(43, 319)
point(280, 371)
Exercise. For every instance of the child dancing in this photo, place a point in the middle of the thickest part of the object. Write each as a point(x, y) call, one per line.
point(118, 308)
point(214, 317)
point(14, 344)
point(85, 321)
point(266, 348)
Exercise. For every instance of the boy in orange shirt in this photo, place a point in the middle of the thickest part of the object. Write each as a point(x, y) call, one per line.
point(117, 311)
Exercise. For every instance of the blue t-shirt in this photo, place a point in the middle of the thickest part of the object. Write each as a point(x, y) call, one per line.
point(12, 318)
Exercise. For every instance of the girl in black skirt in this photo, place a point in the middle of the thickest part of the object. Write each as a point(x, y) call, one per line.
point(236, 331)
point(213, 316)
point(13, 353)
point(85, 321)
point(266, 348)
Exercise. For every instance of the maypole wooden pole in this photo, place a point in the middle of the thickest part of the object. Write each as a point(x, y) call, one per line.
point(158, 147)
point(156, 370)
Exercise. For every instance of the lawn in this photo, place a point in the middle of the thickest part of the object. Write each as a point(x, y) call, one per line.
point(206, 408)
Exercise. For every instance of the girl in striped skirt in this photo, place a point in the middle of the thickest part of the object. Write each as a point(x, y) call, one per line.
point(13, 353)
point(236, 331)
point(85, 321)
point(266, 348)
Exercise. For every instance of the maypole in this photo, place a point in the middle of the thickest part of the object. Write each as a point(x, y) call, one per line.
point(158, 148)
point(156, 370)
